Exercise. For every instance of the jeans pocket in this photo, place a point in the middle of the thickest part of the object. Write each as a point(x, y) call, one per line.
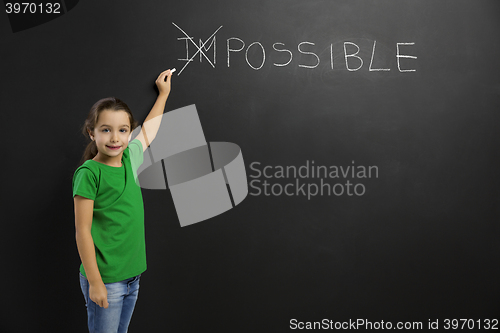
point(133, 285)
point(134, 279)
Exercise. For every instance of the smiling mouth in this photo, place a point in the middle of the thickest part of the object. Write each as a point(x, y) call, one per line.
point(113, 147)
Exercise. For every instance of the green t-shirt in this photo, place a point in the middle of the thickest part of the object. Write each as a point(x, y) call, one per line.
point(118, 218)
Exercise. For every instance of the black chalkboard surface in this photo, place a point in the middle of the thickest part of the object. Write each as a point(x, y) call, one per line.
point(369, 134)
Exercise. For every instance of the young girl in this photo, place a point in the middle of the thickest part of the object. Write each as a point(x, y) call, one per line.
point(109, 211)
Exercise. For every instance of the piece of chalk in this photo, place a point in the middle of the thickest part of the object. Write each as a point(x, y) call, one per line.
point(172, 70)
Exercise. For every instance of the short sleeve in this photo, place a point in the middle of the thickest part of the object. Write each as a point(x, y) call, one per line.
point(136, 154)
point(85, 183)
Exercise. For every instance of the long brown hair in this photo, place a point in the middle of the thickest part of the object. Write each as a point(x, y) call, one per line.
point(109, 103)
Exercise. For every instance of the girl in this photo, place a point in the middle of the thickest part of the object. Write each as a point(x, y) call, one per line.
point(109, 212)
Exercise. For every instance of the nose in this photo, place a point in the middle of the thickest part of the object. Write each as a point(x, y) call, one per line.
point(114, 137)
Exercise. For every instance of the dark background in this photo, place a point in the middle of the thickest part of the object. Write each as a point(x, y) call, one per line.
point(422, 242)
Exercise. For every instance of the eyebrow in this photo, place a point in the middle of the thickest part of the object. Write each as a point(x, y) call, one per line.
point(112, 126)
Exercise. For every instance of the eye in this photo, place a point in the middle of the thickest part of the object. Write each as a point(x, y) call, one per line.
point(104, 130)
point(124, 130)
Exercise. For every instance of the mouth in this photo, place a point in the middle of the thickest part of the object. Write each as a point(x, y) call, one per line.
point(113, 147)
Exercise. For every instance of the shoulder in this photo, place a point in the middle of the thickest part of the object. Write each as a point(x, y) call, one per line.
point(86, 180)
point(87, 169)
point(89, 166)
point(134, 146)
point(134, 153)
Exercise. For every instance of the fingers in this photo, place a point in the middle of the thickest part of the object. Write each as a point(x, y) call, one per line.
point(162, 73)
point(103, 303)
point(163, 82)
point(98, 302)
point(167, 73)
point(100, 297)
point(169, 76)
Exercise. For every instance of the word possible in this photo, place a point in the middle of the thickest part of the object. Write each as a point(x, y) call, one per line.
point(235, 44)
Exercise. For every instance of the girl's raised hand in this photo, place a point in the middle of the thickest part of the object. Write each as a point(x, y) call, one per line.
point(162, 84)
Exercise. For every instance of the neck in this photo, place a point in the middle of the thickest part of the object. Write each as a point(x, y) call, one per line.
point(115, 161)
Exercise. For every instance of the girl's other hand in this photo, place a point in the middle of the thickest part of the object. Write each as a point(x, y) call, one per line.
point(99, 294)
point(162, 84)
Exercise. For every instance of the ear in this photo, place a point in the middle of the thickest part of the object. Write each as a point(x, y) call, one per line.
point(130, 136)
point(91, 136)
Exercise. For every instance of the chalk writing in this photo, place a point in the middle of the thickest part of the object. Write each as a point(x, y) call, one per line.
point(314, 54)
point(199, 48)
point(256, 54)
point(404, 56)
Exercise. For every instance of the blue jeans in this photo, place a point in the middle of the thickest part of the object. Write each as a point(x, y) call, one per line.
point(121, 299)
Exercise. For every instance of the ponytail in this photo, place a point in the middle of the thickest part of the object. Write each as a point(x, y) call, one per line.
point(90, 152)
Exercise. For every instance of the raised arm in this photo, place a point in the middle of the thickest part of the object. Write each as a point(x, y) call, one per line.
point(83, 222)
point(153, 120)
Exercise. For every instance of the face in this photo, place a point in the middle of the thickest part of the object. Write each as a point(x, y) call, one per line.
point(112, 134)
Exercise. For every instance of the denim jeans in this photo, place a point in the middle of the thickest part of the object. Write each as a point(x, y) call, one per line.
point(121, 299)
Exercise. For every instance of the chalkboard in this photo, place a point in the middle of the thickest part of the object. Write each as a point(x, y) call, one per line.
point(369, 135)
